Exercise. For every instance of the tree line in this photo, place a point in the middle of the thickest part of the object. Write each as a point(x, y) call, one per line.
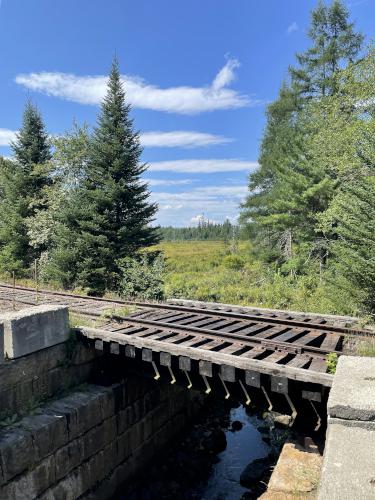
point(77, 203)
point(204, 231)
point(311, 204)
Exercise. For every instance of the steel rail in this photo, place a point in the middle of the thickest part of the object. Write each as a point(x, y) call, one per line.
point(207, 312)
point(290, 347)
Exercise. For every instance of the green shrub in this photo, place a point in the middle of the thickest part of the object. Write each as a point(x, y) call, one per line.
point(142, 277)
point(233, 262)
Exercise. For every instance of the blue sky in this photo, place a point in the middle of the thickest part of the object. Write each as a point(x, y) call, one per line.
point(198, 73)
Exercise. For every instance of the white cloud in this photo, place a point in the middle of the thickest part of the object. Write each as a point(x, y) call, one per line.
point(203, 166)
point(292, 28)
point(216, 202)
point(141, 94)
point(6, 136)
point(181, 138)
point(168, 182)
point(226, 75)
point(196, 219)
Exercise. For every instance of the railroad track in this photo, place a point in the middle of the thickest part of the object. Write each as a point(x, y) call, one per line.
point(277, 338)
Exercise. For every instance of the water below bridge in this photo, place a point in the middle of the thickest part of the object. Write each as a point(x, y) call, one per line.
point(208, 461)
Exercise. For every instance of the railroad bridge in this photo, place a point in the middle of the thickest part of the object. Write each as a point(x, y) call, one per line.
point(274, 358)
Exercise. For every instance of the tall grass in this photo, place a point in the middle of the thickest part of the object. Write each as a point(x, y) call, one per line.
point(214, 271)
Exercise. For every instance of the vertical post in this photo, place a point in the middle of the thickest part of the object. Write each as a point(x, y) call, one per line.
point(36, 279)
point(14, 291)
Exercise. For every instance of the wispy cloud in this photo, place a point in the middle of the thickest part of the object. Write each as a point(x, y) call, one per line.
point(292, 28)
point(203, 166)
point(217, 203)
point(6, 136)
point(141, 94)
point(182, 139)
point(168, 182)
point(188, 139)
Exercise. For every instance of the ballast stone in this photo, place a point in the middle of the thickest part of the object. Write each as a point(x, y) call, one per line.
point(33, 329)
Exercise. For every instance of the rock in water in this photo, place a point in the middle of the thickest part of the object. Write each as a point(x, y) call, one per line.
point(237, 425)
point(215, 441)
point(254, 471)
point(282, 420)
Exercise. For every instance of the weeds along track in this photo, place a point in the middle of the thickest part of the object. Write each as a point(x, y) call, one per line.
point(277, 338)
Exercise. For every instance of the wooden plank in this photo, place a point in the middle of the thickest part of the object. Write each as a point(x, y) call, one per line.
point(309, 337)
point(148, 331)
point(331, 341)
point(318, 365)
point(299, 361)
point(191, 319)
point(231, 349)
point(178, 338)
point(289, 335)
point(269, 333)
point(207, 323)
point(211, 345)
point(253, 329)
point(276, 357)
point(256, 351)
point(233, 327)
point(219, 325)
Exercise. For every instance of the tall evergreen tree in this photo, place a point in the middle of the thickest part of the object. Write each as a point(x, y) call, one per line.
point(109, 217)
point(335, 44)
point(22, 181)
point(289, 189)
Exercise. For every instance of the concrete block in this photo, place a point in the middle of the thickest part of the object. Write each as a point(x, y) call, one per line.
point(33, 329)
point(17, 452)
point(352, 395)
point(349, 464)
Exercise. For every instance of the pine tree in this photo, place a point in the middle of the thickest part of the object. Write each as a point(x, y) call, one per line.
point(108, 218)
point(22, 182)
point(335, 44)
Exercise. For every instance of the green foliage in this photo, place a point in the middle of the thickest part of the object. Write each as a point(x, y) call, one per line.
point(107, 218)
point(332, 360)
point(22, 183)
point(142, 277)
point(311, 203)
point(233, 262)
point(335, 43)
point(197, 270)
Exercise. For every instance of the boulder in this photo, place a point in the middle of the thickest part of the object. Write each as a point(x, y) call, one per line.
point(254, 471)
point(237, 425)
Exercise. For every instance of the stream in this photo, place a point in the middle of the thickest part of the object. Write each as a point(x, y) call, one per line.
point(243, 447)
point(227, 454)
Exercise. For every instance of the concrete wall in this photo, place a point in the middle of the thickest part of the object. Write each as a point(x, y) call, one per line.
point(91, 442)
point(349, 457)
point(26, 382)
point(63, 436)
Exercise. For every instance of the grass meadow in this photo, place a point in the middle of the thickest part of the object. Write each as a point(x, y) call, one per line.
point(217, 271)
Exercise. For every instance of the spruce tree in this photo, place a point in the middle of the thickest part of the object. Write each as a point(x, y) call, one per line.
point(22, 181)
point(109, 217)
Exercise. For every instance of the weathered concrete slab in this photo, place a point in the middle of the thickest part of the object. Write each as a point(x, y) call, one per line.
point(1, 343)
point(352, 395)
point(33, 329)
point(349, 464)
point(296, 474)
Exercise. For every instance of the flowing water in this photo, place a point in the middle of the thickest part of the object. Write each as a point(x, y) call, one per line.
point(243, 447)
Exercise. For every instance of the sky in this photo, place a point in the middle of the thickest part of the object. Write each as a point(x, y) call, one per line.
point(198, 74)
